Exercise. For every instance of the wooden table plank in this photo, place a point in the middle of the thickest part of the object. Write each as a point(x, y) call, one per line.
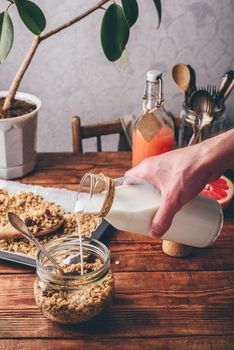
point(145, 305)
point(69, 168)
point(188, 343)
point(139, 253)
point(201, 287)
point(123, 322)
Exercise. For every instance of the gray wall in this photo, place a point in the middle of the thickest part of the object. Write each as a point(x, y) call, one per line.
point(71, 75)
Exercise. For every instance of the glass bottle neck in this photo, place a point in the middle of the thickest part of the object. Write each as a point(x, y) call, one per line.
point(153, 94)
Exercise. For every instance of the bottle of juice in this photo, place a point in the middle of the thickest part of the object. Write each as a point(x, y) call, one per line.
point(153, 133)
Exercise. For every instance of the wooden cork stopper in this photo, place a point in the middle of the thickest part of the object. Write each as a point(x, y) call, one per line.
point(175, 249)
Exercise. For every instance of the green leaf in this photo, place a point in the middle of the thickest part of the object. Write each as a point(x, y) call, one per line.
point(31, 15)
point(130, 8)
point(158, 6)
point(114, 32)
point(6, 35)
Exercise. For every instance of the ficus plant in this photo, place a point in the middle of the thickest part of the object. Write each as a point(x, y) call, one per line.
point(118, 19)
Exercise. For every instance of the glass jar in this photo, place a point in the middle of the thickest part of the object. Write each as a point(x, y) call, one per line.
point(189, 120)
point(219, 123)
point(73, 298)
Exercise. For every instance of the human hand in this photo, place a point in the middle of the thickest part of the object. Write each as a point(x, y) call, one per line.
point(180, 175)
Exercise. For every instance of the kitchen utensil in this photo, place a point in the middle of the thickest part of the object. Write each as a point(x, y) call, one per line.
point(203, 104)
point(74, 259)
point(196, 133)
point(228, 90)
point(212, 91)
point(181, 76)
point(20, 226)
point(192, 83)
point(188, 122)
point(225, 87)
point(9, 232)
point(199, 100)
point(192, 86)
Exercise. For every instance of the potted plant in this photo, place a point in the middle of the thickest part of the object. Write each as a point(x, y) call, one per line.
point(18, 111)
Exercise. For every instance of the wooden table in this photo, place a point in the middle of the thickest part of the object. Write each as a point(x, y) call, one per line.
point(160, 302)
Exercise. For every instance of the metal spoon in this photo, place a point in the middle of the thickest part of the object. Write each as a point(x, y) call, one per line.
point(203, 104)
point(199, 100)
point(21, 227)
point(181, 76)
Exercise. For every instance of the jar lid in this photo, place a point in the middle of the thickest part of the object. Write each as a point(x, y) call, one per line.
point(153, 75)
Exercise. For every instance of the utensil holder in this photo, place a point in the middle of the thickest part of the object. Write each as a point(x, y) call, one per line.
point(189, 121)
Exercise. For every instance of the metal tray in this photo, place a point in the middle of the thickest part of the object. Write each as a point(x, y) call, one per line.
point(28, 261)
point(63, 197)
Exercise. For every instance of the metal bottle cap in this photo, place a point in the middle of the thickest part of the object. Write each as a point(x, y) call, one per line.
point(153, 75)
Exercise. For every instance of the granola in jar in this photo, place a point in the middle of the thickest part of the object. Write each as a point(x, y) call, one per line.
point(72, 297)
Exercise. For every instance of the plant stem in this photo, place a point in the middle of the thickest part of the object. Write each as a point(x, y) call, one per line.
point(19, 75)
point(36, 41)
point(74, 20)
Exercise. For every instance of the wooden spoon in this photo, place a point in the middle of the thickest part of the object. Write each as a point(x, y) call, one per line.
point(9, 232)
point(181, 76)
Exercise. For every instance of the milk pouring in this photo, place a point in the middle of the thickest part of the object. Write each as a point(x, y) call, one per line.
point(135, 203)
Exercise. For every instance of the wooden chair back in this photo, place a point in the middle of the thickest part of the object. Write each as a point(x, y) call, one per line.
point(97, 130)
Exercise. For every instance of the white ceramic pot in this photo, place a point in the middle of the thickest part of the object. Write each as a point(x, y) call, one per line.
point(18, 140)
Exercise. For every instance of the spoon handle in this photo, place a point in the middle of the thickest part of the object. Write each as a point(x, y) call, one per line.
point(40, 247)
point(196, 133)
point(228, 90)
point(226, 86)
point(20, 226)
point(194, 139)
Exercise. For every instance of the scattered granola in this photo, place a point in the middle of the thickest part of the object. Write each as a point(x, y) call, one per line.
point(88, 224)
point(39, 215)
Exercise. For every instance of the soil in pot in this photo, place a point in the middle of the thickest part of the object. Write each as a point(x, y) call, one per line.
point(18, 108)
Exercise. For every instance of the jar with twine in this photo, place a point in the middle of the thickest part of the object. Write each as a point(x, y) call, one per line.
point(130, 204)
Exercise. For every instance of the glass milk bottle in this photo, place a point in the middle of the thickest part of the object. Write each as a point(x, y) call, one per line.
point(153, 132)
point(134, 202)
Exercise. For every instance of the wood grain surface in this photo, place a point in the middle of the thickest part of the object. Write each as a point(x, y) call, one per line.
point(160, 302)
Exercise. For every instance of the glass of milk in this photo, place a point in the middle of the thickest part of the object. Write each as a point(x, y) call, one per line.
point(135, 203)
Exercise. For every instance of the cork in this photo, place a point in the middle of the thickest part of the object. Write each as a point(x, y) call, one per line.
point(176, 250)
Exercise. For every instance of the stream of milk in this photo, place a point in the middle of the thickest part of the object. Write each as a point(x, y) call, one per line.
point(80, 243)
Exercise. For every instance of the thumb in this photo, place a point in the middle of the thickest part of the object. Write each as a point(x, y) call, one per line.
point(162, 219)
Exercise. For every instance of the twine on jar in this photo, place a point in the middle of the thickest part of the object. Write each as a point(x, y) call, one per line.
point(105, 183)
